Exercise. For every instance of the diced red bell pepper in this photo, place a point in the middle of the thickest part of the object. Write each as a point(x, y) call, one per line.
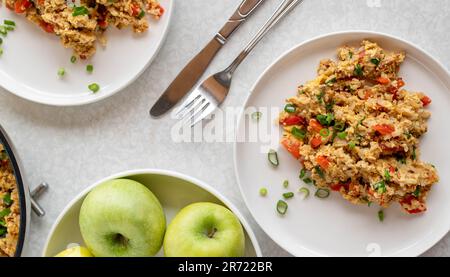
point(384, 129)
point(316, 142)
point(383, 81)
point(426, 101)
point(293, 120)
point(21, 6)
point(323, 162)
point(292, 146)
point(315, 125)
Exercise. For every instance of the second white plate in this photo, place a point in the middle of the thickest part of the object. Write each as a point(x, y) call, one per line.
point(334, 227)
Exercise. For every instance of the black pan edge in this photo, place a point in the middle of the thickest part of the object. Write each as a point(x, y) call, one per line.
point(21, 190)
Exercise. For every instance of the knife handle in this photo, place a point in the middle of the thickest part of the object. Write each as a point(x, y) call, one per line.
point(245, 9)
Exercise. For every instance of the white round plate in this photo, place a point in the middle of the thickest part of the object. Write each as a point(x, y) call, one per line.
point(334, 227)
point(174, 190)
point(31, 59)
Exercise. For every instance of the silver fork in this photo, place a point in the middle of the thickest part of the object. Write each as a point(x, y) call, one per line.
point(208, 96)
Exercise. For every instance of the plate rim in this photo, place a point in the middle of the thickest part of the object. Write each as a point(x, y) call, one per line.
point(57, 102)
point(247, 227)
point(287, 248)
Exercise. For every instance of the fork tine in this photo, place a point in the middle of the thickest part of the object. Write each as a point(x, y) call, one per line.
point(194, 116)
point(187, 104)
point(206, 111)
point(192, 107)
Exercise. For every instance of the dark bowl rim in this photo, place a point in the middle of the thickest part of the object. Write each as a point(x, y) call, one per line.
point(21, 189)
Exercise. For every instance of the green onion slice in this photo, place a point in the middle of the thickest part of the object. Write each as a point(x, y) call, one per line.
point(256, 116)
point(7, 199)
point(288, 195)
point(290, 108)
point(89, 68)
point(61, 72)
point(319, 172)
point(375, 61)
point(298, 133)
point(381, 215)
point(5, 212)
point(94, 87)
point(286, 183)
point(81, 10)
point(342, 135)
point(273, 157)
point(324, 133)
point(73, 59)
point(9, 22)
point(339, 126)
point(352, 144)
point(282, 207)
point(302, 173)
point(322, 193)
point(387, 175)
point(305, 192)
point(263, 192)
point(307, 180)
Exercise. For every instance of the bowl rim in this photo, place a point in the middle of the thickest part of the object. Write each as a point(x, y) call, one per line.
point(282, 56)
point(14, 90)
point(164, 172)
point(22, 192)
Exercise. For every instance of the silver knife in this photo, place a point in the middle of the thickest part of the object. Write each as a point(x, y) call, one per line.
point(192, 72)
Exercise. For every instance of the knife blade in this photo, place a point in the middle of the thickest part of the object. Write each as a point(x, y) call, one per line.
point(192, 72)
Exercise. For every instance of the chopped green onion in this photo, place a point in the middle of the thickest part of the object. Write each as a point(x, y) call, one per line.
point(7, 199)
point(307, 180)
point(342, 135)
point(282, 207)
point(2, 222)
point(3, 231)
point(350, 54)
point(329, 106)
point(380, 187)
point(414, 155)
point(9, 28)
point(324, 133)
point(285, 183)
point(81, 10)
point(288, 195)
point(1, 41)
point(9, 22)
point(305, 191)
point(141, 14)
point(5, 212)
point(387, 175)
point(320, 96)
point(325, 119)
point(352, 144)
point(89, 68)
point(273, 157)
point(94, 87)
point(73, 59)
point(319, 172)
point(339, 126)
point(359, 71)
point(61, 72)
point(290, 108)
point(417, 191)
point(298, 133)
point(375, 61)
point(1, 52)
point(381, 215)
point(302, 173)
point(322, 193)
point(331, 81)
point(256, 116)
point(369, 203)
point(263, 192)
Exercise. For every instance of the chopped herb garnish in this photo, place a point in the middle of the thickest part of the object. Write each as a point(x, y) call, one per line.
point(302, 173)
point(307, 180)
point(322, 193)
point(416, 193)
point(375, 61)
point(325, 119)
point(94, 87)
point(369, 203)
point(342, 135)
point(273, 157)
point(73, 59)
point(7, 199)
point(324, 133)
point(298, 133)
point(320, 96)
point(358, 71)
point(141, 14)
point(3, 31)
point(2, 222)
point(387, 175)
point(381, 215)
point(5, 212)
point(9, 22)
point(319, 172)
point(89, 68)
point(414, 155)
point(256, 116)
point(1, 41)
point(61, 72)
point(282, 207)
point(3, 231)
point(285, 183)
point(329, 106)
point(305, 191)
point(350, 54)
point(380, 187)
point(339, 126)
point(331, 81)
point(352, 145)
point(290, 108)
point(288, 195)
point(81, 10)
point(263, 192)
point(9, 28)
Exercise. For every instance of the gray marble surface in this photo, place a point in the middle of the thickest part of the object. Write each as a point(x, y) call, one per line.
point(71, 148)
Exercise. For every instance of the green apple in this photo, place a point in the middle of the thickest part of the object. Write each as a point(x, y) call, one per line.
point(75, 252)
point(122, 218)
point(204, 230)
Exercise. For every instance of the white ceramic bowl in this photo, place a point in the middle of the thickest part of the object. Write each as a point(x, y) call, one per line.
point(174, 191)
point(31, 59)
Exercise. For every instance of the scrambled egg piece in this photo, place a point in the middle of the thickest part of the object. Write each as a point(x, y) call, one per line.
point(82, 23)
point(357, 131)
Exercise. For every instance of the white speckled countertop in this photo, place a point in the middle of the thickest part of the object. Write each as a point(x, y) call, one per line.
point(70, 148)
